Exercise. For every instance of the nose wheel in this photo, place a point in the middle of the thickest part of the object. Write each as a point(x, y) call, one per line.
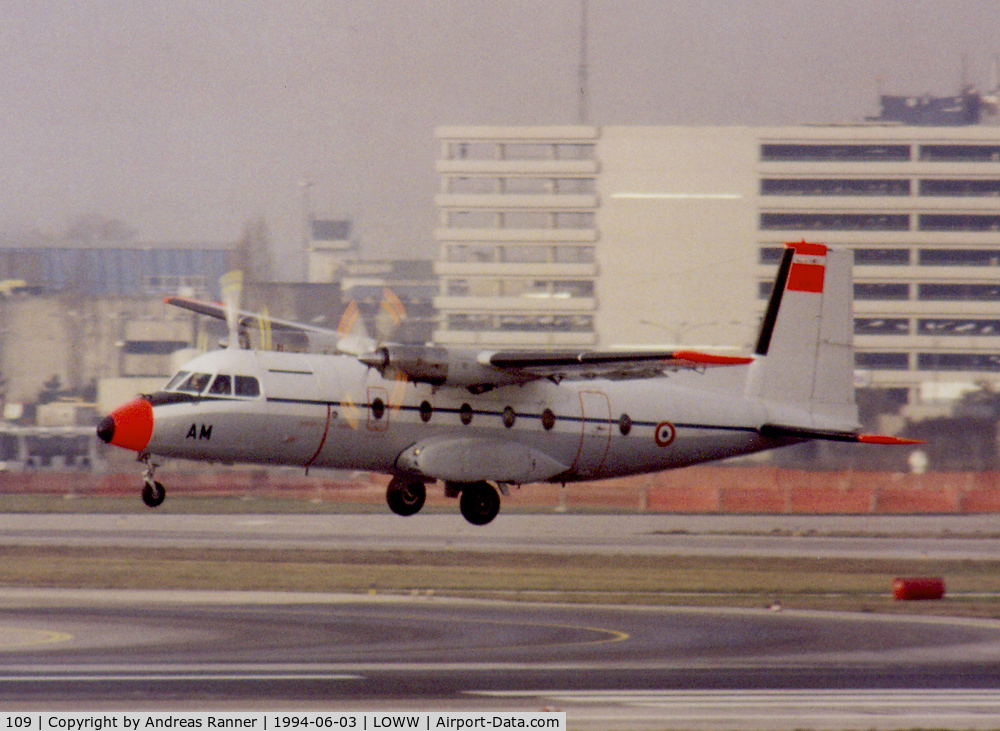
point(153, 492)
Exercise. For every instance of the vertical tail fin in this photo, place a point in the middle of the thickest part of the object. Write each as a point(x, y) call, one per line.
point(804, 369)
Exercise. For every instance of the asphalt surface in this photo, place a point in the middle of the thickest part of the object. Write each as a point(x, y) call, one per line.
point(90, 649)
point(607, 667)
point(974, 537)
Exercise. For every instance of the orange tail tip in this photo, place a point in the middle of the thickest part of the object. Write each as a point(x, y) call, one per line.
point(886, 439)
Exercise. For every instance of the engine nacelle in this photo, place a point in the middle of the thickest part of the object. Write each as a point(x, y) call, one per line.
point(442, 367)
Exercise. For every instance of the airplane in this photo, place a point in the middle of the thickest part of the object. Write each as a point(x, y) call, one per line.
point(482, 421)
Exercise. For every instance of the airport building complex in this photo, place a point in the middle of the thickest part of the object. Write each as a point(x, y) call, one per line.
point(670, 236)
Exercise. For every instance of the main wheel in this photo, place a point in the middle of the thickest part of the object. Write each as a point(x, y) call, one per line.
point(153, 494)
point(405, 497)
point(479, 503)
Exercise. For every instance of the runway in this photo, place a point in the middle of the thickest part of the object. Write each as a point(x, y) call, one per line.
point(619, 667)
point(66, 649)
point(972, 537)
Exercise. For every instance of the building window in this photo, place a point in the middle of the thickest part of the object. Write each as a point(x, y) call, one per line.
point(516, 254)
point(833, 153)
point(526, 151)
point(883, 361)
point(461, 253)
point(545, 323)
point(472, 219)
point(771, 254)
point(472, 150)
point(959, 222)
point(958, 362)
point(835, 186)
point(836, 221)
point(466, 322)
point(934, 186)
point(476, 185)
point(958, 292)
point(573, 254)
point(881, 326)
point(881, 291)
point(527, 219)
point(882, 257)
point(457, 288)
point(959, 257)
point(574, 151)
point(960, 153)
point(958, 326)
point(574, 219)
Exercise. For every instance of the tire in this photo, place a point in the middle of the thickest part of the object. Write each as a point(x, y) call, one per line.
point(405, 497)
point(153, 494)
point(480, 503)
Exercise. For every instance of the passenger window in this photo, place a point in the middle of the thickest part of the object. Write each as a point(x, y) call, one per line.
point(195, 383)
point(247, 386)
point(221, 386)
point(176, 380)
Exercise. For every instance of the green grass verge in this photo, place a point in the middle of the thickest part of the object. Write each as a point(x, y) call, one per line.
point(842, 584)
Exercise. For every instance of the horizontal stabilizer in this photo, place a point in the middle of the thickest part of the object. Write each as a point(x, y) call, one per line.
point(788, 432)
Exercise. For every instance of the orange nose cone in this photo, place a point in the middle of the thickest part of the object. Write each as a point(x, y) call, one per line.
point(130, 426)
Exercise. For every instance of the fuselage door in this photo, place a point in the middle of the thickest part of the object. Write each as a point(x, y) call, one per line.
point(596, 432)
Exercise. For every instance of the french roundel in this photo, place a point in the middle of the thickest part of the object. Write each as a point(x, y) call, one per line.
point(665, 434)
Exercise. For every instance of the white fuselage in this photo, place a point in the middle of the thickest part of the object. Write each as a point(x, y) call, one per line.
point(333, 411)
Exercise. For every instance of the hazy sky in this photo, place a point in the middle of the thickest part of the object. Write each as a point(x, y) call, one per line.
point(188, 118)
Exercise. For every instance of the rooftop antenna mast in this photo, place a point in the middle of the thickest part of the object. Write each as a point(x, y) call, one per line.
point(582, 70)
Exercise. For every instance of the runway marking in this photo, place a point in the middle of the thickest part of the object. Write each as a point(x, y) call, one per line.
point(690, 704)
point(140, 676)
point(611, 635)
point(14, 638)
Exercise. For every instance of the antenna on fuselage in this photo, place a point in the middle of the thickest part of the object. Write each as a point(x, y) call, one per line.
point(231, 284)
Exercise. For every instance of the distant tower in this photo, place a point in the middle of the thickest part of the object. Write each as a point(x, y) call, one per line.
point(582, 70)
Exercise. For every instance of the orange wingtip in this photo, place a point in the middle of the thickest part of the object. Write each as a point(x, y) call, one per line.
point(693, 356)
point(886, 439)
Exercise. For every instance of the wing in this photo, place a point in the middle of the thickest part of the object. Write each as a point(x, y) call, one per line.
point(615, 364)
point(477, 370)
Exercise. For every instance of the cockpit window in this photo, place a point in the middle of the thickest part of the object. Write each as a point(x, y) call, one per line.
point(221, 386)
point(195, 383)
point(176, 380)
point(247, 386)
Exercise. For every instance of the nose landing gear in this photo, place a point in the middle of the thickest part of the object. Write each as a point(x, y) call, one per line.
point(153, 492)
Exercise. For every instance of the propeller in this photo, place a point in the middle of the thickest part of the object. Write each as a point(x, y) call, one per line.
point(231, 284)
point(390, 315)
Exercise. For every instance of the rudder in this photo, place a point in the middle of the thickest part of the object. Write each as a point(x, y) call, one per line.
point(804, 366)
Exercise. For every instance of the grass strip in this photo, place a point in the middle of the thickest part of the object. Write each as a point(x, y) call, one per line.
point(827, 583)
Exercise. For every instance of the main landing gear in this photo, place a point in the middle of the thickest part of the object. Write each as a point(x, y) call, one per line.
point(153, 492)
point(405, 495)
point(478, 501)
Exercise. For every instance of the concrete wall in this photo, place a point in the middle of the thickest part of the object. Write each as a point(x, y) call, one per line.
point(721, 490)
